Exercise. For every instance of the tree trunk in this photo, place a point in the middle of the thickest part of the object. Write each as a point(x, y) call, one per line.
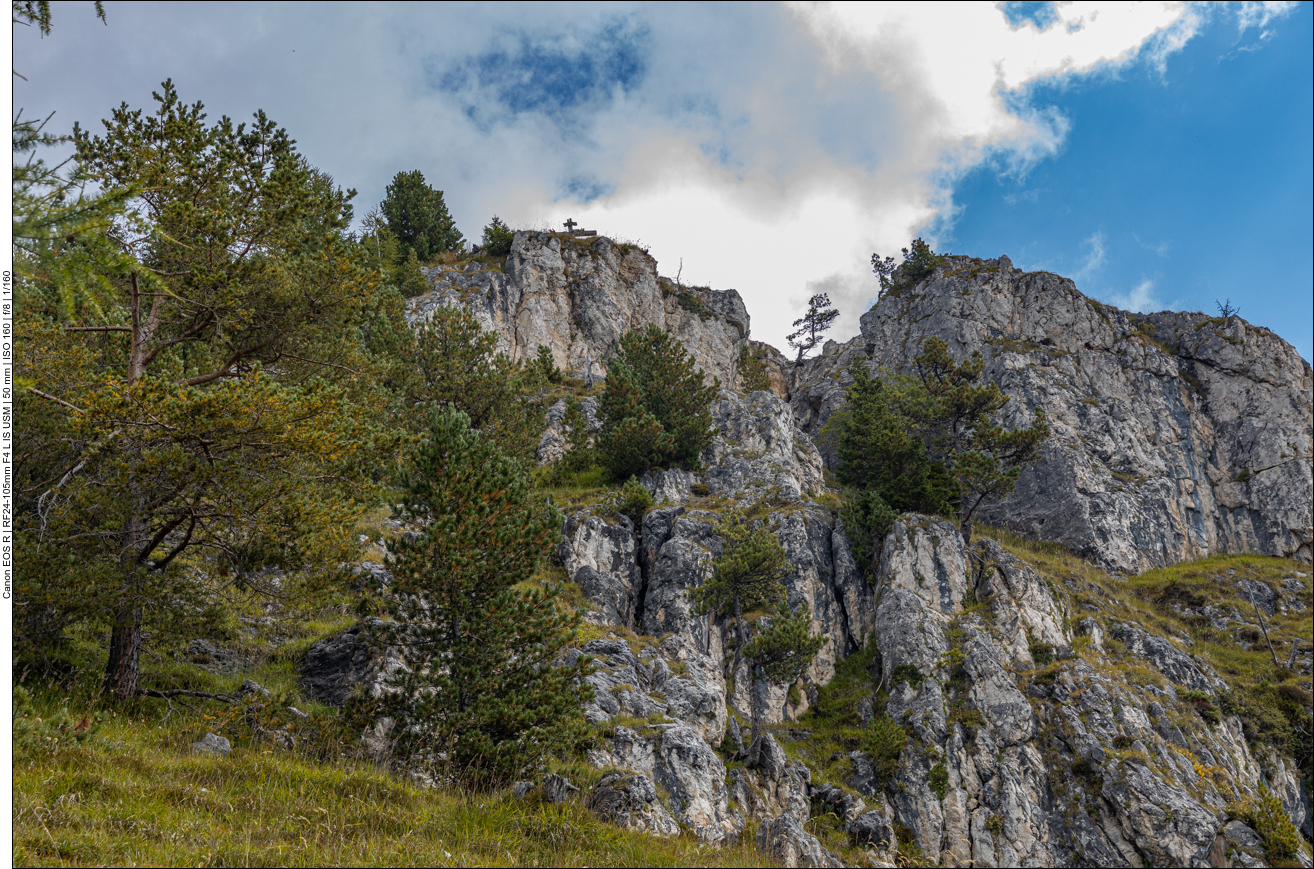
point(965, 520)
point(124, 664)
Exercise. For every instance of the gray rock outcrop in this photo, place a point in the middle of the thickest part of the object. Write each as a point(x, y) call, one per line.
point(578, 296)
point(1174, 435)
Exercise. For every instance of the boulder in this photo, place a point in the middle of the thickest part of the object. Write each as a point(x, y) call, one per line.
point(786, 842)
point(334, 667)
point(630, 802)
point(212, 744)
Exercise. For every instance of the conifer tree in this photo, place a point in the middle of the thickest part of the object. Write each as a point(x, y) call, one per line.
point(818, 319)
point(498, 238)
point(482, 685)
point(654, 407)
point(752, 371)
point(418, 216)
point(957, 425)
point(192, 364)
point(452, 360)
point(749, 576)
point(580, 454)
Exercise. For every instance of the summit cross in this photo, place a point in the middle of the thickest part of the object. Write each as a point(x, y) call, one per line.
point(570, 226)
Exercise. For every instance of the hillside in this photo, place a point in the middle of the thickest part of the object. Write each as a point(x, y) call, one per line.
point(1091, 683)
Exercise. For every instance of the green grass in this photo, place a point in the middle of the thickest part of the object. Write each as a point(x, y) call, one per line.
point(134, 793)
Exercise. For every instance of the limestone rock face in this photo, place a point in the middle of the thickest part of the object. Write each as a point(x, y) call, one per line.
point(785, 840)
point(578, 296)
point(631, 802)
point(601, 556)
point(758, 451)
point(681, 762)
point(1174, 435)
point(1084, 768)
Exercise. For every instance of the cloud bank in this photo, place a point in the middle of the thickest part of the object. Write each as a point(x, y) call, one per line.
point(770, 148)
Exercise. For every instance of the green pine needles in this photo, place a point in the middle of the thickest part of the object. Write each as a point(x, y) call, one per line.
point(481, 691)
point(925, 443)
point(654, 407)
point(749, 576)
point(418, 216)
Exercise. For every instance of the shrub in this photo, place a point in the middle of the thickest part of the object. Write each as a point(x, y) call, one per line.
point(545, 366)
point(1266, 815)
point(1203, 704)
point(497, 238)
point(654, 407)
point(938, 781)
point(1041, 653)
point(752, 371)
point(633, 500)
point(883, 742)
point(908, 673)
point(580, 455)
point(34, 734)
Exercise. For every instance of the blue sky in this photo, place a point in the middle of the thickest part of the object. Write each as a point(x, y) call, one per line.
point(1172, 190)
point(1157, 153)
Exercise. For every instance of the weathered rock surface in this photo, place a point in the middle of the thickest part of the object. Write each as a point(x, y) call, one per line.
point(578, 297)
point(785, 840)
point(1085, 768)
point(1174, 435)
point(552, 445)
point(600, 554)
point(681, 762)
point(630, 802)
point(335, 666)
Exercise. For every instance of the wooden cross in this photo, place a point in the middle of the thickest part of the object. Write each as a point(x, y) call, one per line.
point(570, 226)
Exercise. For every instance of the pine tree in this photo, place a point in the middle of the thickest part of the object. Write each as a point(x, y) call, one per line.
point(580, 454)
point(498, 238)
point(193, 364)
point(483, 686)
point(418, 216)
point(956, 422)
point(818, 319)
point(453, 361)
point(748, 576)
point(654, 407)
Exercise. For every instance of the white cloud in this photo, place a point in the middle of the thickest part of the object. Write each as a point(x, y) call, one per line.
point(1094, 259)
point(772, 148)
point(1139, 298)
point(1259, 15)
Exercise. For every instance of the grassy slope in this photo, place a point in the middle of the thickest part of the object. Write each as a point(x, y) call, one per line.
point(135, 794)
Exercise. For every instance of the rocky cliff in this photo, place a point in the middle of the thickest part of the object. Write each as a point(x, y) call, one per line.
point(1174, 435)
point(577, 296)
point(1007, 705)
